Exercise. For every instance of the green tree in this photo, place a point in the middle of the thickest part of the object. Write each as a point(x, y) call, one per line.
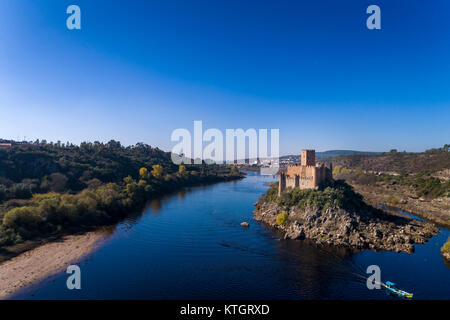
point(282, 218)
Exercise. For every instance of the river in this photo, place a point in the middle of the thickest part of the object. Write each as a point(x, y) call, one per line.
point(190, 245)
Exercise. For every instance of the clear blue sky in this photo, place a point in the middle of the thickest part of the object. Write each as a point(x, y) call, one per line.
point(139, 69)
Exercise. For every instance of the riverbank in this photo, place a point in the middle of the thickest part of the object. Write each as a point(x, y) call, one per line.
point(434, 210)
point(46, 260)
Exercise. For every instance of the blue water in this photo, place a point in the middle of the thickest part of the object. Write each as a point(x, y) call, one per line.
point(190, 245)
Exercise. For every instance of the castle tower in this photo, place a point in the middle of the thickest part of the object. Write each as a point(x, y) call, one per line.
point(308, 158)
point(281, 183)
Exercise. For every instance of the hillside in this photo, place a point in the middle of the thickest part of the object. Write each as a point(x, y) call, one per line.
point(52, 189)
point(415, 182)
point(426, 162)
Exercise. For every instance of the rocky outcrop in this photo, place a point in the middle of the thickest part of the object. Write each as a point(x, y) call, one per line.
point(368, 229)
point(446, 255)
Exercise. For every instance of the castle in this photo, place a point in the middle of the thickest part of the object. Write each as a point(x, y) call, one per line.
point(307, 175)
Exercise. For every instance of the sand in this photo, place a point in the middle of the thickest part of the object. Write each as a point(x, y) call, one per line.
point(45, 260)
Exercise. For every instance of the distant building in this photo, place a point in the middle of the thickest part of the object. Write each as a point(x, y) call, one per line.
point(306, 175)
point(5, 144)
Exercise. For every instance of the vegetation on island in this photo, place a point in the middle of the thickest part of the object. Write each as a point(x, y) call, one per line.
point(282, 218)
point(52, 189)
point(334, 214)
point(337, 194)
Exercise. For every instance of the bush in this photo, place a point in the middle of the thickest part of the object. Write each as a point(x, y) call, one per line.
point(446, 247)
point(282, 219)
point(26, 221)
point(431, 187)
point(340, 170)
point(392, 200)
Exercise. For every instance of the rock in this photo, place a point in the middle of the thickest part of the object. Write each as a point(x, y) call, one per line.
point(446, 255)
point(295, 232)
point(367, 229)
point(245, 224)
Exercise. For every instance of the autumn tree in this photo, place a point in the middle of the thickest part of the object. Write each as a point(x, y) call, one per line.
point(144, 174)
point(157, 171)
point(182, 170)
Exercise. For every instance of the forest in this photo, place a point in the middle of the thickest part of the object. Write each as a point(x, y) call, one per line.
point(49, 189)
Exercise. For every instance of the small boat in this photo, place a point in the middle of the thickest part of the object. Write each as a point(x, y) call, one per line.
point(390, 287)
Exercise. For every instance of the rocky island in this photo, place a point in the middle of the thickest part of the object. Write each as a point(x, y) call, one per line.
point(330, 212)
point(343, 219)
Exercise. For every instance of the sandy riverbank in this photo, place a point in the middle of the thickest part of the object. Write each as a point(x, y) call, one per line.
point(45, 260)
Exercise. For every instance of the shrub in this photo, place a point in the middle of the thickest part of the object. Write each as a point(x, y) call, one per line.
point(340, 170)
point(446, 247)
point(392, 200)
point(157, 171)
point(282, 218)
point(25, 221)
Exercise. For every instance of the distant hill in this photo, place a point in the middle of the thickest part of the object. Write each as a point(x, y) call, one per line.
point(336, 153)
point(412, 163)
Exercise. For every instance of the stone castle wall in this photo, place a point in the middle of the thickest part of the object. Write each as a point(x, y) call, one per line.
point(308, 175)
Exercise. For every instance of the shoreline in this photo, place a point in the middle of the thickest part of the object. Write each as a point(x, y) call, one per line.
point(46, 260)
point(363, 230)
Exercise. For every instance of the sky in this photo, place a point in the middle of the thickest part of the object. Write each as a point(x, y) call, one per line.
point(137, 70)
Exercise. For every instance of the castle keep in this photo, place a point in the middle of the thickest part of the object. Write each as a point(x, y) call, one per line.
point(307, 175)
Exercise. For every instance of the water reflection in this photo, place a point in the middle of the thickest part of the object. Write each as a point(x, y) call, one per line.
point(156, 206)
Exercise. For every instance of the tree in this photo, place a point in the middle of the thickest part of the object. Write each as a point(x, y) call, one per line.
point(182, 170)
point(144, 174)
point(56, 182)
point(282, 218)
point(157, 171)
